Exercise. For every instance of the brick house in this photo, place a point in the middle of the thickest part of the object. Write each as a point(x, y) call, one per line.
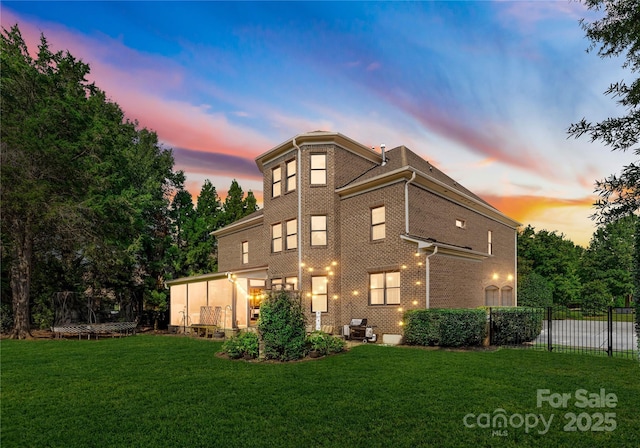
point(361, 234)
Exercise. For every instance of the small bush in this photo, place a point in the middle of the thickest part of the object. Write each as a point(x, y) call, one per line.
point(516, 325)
point(244, 343)
point(282, 326)
point(324, 343)
point(444, 327)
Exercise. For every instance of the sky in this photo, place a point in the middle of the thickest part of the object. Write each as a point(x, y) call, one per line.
point(484, 90)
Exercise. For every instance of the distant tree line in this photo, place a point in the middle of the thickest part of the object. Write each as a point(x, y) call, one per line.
point(91, 203)
point(553, 270)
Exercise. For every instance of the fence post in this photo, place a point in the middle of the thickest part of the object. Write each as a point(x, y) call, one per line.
point(549, 337)
point(610, 330)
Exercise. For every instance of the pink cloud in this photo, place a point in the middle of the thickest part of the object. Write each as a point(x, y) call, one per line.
point(138, 89)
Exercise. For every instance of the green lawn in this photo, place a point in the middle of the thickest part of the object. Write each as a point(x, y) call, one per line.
point(165, 391)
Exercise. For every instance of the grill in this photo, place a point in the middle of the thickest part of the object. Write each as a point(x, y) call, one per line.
point(359, 330)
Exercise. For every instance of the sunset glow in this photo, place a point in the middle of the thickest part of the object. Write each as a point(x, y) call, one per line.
point(483, 90)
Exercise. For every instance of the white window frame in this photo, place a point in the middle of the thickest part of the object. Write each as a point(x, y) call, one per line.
point(387, 291)
point(292, 234)
point(378, 226)
point(291, 175)
point(276, 237)
point(322, 230)
point(276, 182)
point(245, 252)
point(319, 294)
point(318, 175)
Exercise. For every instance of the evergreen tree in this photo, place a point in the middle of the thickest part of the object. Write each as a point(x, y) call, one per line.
point(233, 204)
point(83, 189)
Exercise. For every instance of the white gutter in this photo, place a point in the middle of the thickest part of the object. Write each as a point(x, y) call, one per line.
point(406, 203)
point(515, 272)
point(299, 187)
point(428, 280)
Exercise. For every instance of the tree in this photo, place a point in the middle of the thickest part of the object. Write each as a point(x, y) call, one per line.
point(182, 216)
point(534, 290)
point(233, 203)
point(615, 34)
point(202, 254)
point(609, 259)
point(554, 258)
point(84, 190)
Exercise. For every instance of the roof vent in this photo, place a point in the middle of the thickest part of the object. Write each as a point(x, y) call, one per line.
point(384, 156)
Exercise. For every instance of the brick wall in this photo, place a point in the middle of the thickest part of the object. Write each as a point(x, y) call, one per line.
point(455, 282)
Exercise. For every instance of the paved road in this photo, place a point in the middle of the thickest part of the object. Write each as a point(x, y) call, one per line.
point(590, 334)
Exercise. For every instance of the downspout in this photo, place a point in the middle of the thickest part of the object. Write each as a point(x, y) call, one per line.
point(406, 203)
point(233, 301)
point(515, 271)
point(299, 188)
point(428, 279)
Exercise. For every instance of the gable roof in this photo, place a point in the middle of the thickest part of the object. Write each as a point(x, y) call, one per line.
point(401, 164)
point(402, 156)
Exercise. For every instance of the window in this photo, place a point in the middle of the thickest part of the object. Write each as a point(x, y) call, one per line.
point(491, 294)
point(245, 252)
point(291, 175)
point(461, 223)
point(292, 234)
point(490, 242)
point(384, 288)
point(378, 230)
point(276, 237)
point(276, 182)
point(507, 296)
point(276, 284)
point(291, 283)
point(319, 230)
point(318, 169)
point(319, 294)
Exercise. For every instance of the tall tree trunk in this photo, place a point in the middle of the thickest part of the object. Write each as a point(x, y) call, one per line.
point(20, 285)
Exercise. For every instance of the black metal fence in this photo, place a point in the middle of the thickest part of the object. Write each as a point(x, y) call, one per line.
point(559, 329)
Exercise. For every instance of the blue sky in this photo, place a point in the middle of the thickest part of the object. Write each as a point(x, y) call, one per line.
point(483, 90)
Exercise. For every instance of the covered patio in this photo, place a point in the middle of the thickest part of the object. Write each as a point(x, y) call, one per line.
point(222, 301)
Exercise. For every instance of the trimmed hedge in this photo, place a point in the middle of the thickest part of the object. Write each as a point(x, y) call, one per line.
point(516, 325)
point(445, 327)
